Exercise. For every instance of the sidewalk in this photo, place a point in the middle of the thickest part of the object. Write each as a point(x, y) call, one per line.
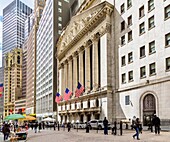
point(93, 136)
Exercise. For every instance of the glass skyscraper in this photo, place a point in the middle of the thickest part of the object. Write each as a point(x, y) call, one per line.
point(14, 16)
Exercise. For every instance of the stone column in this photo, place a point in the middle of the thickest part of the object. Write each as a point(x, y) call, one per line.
point(87, 69)
point(61, 79)
point(65, 74)
point(75, 80)
point(70, 76)
point(95, 63)
point(81, 66)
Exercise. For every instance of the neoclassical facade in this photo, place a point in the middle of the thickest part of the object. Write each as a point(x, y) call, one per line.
point(84, 54)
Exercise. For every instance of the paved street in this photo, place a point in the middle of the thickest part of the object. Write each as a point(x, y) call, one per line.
point(93, 136)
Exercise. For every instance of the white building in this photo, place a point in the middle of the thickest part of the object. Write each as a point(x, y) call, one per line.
point(143, 39)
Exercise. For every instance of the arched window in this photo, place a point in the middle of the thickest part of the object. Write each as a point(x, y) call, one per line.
point(149, 102)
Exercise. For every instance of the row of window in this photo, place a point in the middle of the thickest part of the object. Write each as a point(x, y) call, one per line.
point(151, 44)
point(141, 9)
point(152, 71)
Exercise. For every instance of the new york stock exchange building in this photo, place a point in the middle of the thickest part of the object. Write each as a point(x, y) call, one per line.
point(92, 50)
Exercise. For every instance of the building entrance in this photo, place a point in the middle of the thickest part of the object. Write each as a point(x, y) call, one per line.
point(149, 109)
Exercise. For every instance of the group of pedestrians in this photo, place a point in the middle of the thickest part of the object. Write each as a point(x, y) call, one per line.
point(136, 124)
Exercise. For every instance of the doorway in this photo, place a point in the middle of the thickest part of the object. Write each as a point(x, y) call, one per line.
point(149, 109)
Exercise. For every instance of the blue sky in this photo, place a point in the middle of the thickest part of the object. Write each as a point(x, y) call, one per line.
point(3, 4)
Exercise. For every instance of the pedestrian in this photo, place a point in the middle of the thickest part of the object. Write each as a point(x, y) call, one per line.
point(54, 125)
point(105, 123)
point(156, 123)
point(133, 122)
point(43, 125)
point(58, 126)
point(6, 131)
point(39, 126)
point(69, 126)
point(35, 127)
point(136, 126)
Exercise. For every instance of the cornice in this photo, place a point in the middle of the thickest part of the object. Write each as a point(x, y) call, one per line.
point(91, 24)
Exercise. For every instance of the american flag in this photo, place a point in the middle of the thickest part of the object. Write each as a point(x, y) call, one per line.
point(67, 94)
point(58, 98)
point(1, 89)
point(79, 90)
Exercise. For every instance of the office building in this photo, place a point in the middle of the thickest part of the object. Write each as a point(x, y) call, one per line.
point(14, 16)
point(55, 16)
point(31, 58)
point(12, 80)
point(143, 41)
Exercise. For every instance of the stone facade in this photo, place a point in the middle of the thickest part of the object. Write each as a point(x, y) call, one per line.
point(84, 55)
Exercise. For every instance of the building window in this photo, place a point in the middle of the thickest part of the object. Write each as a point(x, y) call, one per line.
point(167, 12)
point(130, 75)
point(124, 78)
point(142, 51)
point(129, 36)
point(60, 18)
point(150, 5)
point(130, 57)
point(122, 25)
point(142, 72)
point(127, 100)
point(59, 3)
point(168, 63)
point(123, 61)
point(152, 47)
point(141, 12)
point(123, 40)
point(142, 28)
point(130, 20)
point(151, 22)
point(129, 3)
point(59, 10)
point(60, 25)
point(152, 69)
point(122, 8)
point(167, 39)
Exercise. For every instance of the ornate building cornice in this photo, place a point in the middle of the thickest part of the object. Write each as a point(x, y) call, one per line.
point(80, 28)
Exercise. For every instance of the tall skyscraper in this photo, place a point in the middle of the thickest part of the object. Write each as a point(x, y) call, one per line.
point(55, 16)
point(31, 57)
point(14, 16)
point(12, 80)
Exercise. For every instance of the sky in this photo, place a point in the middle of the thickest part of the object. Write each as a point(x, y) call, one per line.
point(3, 4)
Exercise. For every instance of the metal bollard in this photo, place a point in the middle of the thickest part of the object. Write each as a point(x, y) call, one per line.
point(121, 128)
point(126, 126)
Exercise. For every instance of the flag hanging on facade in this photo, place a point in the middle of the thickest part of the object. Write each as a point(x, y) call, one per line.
point(67, 94)
point(58, 98)
point(1, 89)
point(79, 90)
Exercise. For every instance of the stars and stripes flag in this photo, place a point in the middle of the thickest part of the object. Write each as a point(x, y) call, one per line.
point(1, 89)
point(79, 90)
point(67, 94)
point(58, 98)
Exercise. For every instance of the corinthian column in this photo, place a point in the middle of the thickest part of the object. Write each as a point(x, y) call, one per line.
point(81, 66)
point(65, 74)
point(95, 63)
point(75, 74)
point(87, 67)
point(70, 77)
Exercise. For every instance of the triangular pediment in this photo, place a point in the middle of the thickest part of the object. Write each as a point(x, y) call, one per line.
point(78, 23)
